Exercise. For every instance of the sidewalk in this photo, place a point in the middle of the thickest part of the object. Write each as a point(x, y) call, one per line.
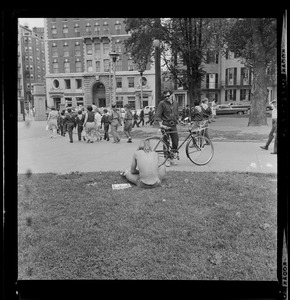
point(40, 154)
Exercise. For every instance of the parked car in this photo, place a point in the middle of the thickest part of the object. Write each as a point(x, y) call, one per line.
point(224, 109)
point(240, 105)
point(147, 109)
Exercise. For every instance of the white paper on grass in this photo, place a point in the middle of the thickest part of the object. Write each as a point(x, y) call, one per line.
point(120, 186)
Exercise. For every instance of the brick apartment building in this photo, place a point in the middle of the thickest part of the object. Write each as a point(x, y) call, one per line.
point(31, 64)
point(80, 70)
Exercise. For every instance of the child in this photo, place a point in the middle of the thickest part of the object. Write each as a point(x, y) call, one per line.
point(105, 120)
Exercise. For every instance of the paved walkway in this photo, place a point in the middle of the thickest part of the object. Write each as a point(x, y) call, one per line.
point(40, 154)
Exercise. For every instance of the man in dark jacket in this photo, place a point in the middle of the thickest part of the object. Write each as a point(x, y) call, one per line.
point(70, 123)
point(141, 117)
point(167, 116)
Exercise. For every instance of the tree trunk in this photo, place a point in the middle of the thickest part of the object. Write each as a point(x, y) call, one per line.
point(258, 114)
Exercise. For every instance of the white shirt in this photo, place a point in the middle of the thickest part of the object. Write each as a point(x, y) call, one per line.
point(98, 118)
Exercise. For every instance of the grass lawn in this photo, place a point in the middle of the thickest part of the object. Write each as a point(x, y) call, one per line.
point(200, 226)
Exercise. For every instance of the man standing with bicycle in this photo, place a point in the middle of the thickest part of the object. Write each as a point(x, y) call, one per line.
point(167, 116)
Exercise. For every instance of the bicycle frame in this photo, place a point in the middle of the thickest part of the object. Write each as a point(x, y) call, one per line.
point(199, 131)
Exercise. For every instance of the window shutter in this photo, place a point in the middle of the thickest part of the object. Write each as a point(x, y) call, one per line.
point(207, 81)
point(216, 80)
point(235, 75)
point(227, 72)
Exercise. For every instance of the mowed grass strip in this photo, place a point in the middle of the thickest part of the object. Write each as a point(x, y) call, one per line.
point(196, 226)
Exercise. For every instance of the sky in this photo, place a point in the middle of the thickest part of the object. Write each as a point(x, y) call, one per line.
point(32, 22)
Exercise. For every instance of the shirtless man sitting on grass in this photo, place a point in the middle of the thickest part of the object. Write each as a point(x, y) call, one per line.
point(144, 171)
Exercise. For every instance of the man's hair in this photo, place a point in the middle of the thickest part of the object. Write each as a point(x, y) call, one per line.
point(145, 145)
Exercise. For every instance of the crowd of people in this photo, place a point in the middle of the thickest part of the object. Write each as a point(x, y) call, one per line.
point(90, 120)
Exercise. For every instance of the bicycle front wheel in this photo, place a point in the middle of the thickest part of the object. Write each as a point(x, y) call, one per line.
point(199, 150)
point(159, 146)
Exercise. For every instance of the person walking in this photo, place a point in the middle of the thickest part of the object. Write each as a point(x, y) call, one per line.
point(115, 119)
point(135, 119)
point(70, 122)
point(167, 116)
point(61, 123)
point(141, 117)
point(98, 119)
point(89, 124)
point(144, 171)
point(213, 110)
point(80, 119)
point(273, 131)
point(105, 120)
point(52, 122)
point(128, 124)
point(150, 116)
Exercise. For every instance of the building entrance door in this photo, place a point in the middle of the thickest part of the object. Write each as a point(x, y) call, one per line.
point(56, 103)
point(99, 95)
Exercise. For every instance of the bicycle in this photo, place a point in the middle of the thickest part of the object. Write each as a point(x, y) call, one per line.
point(199, 149)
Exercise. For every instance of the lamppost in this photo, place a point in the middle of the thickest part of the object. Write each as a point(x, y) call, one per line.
point(141, 70)
point(114, 57)
point(156, 44)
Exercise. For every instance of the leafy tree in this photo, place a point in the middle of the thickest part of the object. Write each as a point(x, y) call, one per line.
point(186, 39)
point(256, 42)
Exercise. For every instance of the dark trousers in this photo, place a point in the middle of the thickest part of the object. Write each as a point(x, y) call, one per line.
point(174, 137)
point(70, 128)
point(80, 129)
point(106, 129)
point(135, 123)
point(141, 120)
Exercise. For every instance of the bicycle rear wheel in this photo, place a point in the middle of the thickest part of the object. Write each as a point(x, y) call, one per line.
point(199, 150)
point(159, 146)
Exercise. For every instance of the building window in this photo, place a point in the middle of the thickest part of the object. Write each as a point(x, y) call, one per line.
point(88, 29)
point(68, 102)
point(130, 65)
point(119, 82)
point(106, 65)
point(118, 46)
point(98, 66)
point(31, 58)
point(212, 81)
point(66, 67)
point(89, 65)
point(106, 48)
point(132, 102)
point(67, 83)
point(119, 103)
point(89, 48)
point(97, 49)
point(230, 95)
point(26, 58)
point(119, 65)
point(79, 83)
point(53, 32)
point(130, 82)
point(65, 50)
point(97, 28)
point(231, 76)
point(55, 83)
point(78, 67)
point(118, 27)
point(245, 76)
point(77, 49)
point(106, 28)
point(77, 30)
point(245, 95)
point(65, 31)
point(80, 101)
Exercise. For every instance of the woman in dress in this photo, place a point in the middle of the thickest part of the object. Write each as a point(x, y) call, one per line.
point(52, 122)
